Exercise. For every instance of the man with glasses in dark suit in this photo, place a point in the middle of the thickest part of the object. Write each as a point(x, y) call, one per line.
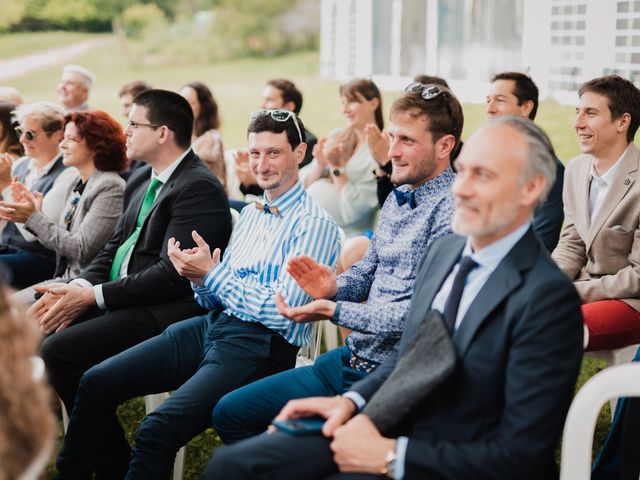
point(130, 291)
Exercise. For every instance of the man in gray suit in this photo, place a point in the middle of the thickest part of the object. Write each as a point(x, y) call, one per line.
point(515, 325)
point(600, 244)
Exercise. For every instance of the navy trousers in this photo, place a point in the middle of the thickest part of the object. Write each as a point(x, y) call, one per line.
point(201, 358)
point(27, 268)
point(279, 456)
point(249, 410)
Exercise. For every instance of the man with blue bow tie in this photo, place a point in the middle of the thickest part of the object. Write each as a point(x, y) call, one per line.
point(371, 298)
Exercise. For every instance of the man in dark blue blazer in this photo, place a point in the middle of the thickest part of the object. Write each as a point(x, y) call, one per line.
point(516, 328)
point(515, 93)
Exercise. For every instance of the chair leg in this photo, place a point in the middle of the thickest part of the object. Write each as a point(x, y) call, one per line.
point(612, 358)
point(65, 417)
point(151, 402)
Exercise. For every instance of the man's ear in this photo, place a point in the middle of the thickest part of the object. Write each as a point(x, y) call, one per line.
point(165, 134)
point(445, 145)
point(532, 189)
point(300, 152)
point(623, 122)
point(527, 105)
point(289, 106)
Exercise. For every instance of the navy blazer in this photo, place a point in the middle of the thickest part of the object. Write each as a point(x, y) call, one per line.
point(519, 345)
point(192, 199)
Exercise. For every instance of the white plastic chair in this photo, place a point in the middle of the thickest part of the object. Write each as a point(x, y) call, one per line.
point(308, 354)
point(577, 440)
point(616, 356)
point(235, 216)
point(151, 402)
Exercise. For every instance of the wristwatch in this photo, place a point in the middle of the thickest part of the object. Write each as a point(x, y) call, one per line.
point(337, 172)
point(389, 468)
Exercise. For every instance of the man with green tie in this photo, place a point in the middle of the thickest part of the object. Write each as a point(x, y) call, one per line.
point(131, 292)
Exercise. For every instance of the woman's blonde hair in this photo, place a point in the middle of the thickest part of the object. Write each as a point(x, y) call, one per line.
point(27, 424)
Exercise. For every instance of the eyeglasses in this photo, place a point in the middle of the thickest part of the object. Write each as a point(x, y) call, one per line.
point(29, 134)
point(428, 92)
point(279, 115)
point(135, 125)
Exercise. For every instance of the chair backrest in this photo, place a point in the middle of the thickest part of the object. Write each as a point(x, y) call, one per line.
point(235, 216)
point(577, 440)
point(308, 354)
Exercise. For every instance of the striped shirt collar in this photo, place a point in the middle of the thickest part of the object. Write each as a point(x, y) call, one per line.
point(287, 199)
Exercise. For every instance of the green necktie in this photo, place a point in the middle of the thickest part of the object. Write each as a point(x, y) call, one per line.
point(123, 249)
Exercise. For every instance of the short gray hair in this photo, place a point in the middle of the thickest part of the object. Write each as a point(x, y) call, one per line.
point(48, 114)
point(87, 77)
point(542, 158)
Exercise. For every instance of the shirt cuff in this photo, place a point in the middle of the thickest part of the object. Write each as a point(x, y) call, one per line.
point(401, 454)
point(216, 279)
point(97, 290)
point(336, 313)
point(83, 282)
point(356, 398)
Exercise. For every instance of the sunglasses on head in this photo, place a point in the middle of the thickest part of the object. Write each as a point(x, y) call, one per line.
point(427, 92)
point(431, 91)
point(279, 115)
point(29, 135)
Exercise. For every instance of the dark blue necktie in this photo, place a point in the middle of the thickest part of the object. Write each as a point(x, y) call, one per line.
point(452, 304)
point(405, 197)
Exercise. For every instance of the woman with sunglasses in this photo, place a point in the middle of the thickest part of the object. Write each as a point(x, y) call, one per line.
point(94, 144)
point(40, 130)
point(206, 141)
point(340, 177)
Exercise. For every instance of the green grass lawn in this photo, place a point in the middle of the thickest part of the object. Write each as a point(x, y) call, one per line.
point(237, 86)
point(18, 44)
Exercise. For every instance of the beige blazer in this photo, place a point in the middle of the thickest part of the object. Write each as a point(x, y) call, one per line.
point(602, 258)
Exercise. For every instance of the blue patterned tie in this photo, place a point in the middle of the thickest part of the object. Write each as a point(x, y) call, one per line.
point(405, 197)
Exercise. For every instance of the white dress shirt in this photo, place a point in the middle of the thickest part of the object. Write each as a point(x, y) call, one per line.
point(599, 186)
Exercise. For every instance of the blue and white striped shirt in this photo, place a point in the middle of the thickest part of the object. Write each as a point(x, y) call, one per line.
point(253, 268)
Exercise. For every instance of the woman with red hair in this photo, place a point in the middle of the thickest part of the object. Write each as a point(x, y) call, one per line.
point(94, 144)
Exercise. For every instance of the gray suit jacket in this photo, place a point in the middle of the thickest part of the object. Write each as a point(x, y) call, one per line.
point(603, 258)
point(95, 218)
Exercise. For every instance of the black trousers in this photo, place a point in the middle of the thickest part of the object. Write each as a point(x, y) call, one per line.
point(278, 456)
point(94, 338)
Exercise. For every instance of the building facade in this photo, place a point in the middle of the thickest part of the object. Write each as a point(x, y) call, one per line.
point(560, 43)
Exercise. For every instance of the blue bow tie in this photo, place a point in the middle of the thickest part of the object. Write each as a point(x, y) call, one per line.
point(405, 197)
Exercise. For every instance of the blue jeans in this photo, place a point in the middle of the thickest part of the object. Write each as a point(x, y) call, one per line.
point(249, 410)
point(27, 268)
point(203, 358)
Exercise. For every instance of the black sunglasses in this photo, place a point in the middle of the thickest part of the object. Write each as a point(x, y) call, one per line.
point(431, 91)
point(27, 133)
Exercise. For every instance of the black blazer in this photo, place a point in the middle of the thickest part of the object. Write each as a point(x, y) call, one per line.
point(192, 199)
point(519, 346)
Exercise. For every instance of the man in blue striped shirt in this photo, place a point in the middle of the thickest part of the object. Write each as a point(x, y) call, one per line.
point(242, 339)
point(371, 298)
